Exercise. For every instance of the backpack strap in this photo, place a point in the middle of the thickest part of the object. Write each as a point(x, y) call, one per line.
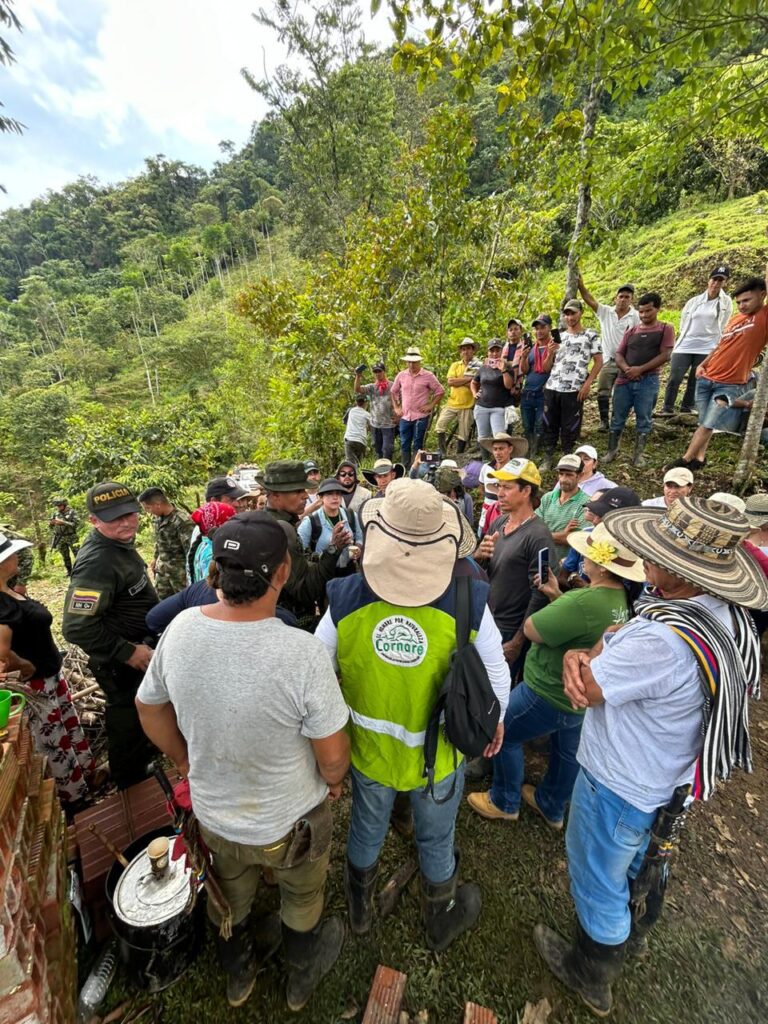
point(351, 520)
point(315, 529)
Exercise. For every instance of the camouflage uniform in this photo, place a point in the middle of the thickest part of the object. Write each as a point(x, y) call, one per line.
point(172, 536)
point(25, 558)
point(64, 536)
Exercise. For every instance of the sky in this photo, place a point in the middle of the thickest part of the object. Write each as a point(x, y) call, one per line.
point(101, 84)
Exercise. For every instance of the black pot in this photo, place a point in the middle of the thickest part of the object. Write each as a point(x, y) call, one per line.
point(157, 955)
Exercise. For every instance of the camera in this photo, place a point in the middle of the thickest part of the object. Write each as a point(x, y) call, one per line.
point(431, 457)
point(361, 368)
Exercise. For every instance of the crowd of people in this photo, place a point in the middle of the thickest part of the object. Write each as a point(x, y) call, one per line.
point(332, 608)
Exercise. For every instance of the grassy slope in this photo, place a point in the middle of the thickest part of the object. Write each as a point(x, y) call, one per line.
point(710, 954)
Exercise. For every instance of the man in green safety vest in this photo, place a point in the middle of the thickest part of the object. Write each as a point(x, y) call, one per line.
point(391, 631)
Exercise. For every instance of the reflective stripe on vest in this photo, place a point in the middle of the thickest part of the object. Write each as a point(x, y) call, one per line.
point(410, 739)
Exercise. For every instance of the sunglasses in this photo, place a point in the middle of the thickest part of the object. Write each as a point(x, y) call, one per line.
point(347, 474)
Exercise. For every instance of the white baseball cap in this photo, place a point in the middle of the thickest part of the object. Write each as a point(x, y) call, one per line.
point(587, 450)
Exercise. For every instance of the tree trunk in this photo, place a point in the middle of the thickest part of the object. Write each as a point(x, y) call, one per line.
point(750, 449)
point(584, 202)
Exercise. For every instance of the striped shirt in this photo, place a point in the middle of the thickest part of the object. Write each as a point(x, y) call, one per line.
point(557, 514)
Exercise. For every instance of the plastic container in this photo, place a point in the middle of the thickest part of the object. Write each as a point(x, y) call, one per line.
point(97, 983)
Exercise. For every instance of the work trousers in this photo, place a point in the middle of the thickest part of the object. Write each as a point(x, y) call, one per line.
point(68, 551)
point(128, 749)
point(562, 418)
point(383, 441)
point(354, 451)
point(680, 364)
point(639, 395)
point(238, 869)
point(607, 378)
point(412, 434)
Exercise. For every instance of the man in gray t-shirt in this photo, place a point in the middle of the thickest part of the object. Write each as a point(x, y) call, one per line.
point(250, 711)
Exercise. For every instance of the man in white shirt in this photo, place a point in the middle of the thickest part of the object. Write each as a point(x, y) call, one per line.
point(356, 434)
point(678, 483)
point(702, 323)
point(614, 321)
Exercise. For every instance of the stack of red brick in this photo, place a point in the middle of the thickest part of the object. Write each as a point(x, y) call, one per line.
point(38, 970)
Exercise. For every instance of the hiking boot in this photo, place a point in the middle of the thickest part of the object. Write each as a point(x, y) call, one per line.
point(637, 945)
point(664, 414)
point(638, 458)
point(585, 966)
point(604, 409)
point(309, 956)
point(477, 769)
point(482, 804)
point(614, 438)
point(448, 909)
point(359, 885)
point(691, 464)
point(528, 793)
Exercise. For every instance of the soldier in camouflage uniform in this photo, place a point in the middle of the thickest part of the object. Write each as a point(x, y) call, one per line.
point(173, 532)
point(64, 532)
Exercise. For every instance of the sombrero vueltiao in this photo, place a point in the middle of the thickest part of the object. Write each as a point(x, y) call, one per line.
point(698, 541)
point(411, 542)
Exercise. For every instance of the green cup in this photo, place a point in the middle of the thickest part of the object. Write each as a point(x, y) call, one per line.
point(7, 697)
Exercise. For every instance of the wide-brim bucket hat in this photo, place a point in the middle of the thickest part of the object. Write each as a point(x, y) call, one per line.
point(11, 546)
point(602, 548)
point(698, 541)
point(381, 467)
point(411, 543)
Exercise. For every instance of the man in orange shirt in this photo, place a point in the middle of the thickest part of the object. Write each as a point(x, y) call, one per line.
point(726, 370)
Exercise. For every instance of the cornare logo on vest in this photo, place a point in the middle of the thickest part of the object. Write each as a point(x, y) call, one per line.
point(400, 641)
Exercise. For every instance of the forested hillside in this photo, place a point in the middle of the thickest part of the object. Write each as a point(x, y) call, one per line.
point(187, 320)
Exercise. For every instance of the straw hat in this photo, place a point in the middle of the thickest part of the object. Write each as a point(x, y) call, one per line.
point(411, 543)
point(757, 510)
point(698, 541)
point(602, 548)
point(519, 444)
point(725, 498)
point(412, 355)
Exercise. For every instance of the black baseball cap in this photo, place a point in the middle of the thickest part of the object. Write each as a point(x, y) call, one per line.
point(310, 466)
point(626, 288)
point(109, 500)
point(224, 487)
point(616, 497)
point(251, 543)
point(543, 318)
point(723, 270)
point(378, 367)
point(514, 320)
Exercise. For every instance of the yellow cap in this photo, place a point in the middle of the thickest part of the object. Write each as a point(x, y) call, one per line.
point(518, 469)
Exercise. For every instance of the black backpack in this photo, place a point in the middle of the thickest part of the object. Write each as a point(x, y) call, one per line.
point(466, 699)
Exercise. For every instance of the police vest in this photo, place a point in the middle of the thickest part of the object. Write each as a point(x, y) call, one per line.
point(392, 662)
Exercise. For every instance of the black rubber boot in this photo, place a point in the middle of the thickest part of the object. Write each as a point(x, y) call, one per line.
point(585, 966)
point(546, 462)
point(461, 447)
point(401, 818)
point(614, 439)
point(237, 959)
point(309, 956)
point(448, 909)
point(442, 445)
point(359, 885)
point(640, 442)
point(604, 408)
point(478, 768)
point(533, 446)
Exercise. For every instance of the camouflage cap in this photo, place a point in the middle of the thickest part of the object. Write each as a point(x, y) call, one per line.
point(447, 479)
point(109, 500)
point(283, 475)
point(58, 501)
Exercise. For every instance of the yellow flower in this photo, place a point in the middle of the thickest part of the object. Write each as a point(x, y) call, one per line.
point(602, 552)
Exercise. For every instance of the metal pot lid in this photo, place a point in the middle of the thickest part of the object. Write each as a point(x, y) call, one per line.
point(142, 900)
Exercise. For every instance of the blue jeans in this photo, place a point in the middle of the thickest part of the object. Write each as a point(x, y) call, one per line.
point(639, 395)
point(412, 434)
point(383, 441)
point(713, 415)
point(606, 841)
point(433, 823)
point(532, 410)
point(490, 421)
point(527, 717)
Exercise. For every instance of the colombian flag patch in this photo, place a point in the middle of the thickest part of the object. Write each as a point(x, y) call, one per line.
point(84, 602)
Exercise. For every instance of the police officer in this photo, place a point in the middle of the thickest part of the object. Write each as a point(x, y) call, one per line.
point(173, 533)
point(64, 532)
point(285, 482)
point(108, 598)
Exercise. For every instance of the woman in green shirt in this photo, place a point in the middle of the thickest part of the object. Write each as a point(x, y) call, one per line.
point(539, 706)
